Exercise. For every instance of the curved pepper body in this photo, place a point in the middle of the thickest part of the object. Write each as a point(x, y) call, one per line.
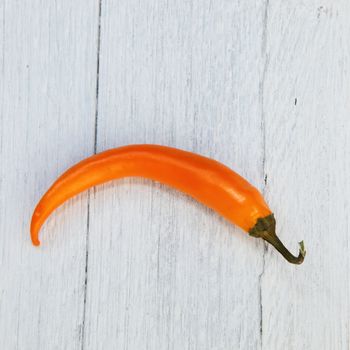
point(204, 179)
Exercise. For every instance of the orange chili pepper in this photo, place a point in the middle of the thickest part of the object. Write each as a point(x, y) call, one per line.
point(205, 179)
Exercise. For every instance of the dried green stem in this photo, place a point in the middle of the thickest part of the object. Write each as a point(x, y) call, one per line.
point(265, 228)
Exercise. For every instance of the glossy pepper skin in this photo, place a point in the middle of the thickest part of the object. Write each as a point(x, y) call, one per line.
point(204, 179)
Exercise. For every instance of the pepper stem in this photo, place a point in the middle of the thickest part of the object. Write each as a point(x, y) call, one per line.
point(265, 228)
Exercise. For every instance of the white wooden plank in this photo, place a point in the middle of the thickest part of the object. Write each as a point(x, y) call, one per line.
point(47, 106)
point(307, 104)
point(185, 74)
point(163, 271)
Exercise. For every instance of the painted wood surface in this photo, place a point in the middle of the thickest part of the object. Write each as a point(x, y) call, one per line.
point(165, 272)
point(262, 86)
point(307, 127)
point(48, 84)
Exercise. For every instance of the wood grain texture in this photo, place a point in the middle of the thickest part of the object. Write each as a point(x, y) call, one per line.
point(47, 106)
point(263, 86)
point(306, 107)
point(163, 271)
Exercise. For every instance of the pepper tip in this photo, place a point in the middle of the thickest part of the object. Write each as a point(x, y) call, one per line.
point(35, 238)
point(35, 242)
